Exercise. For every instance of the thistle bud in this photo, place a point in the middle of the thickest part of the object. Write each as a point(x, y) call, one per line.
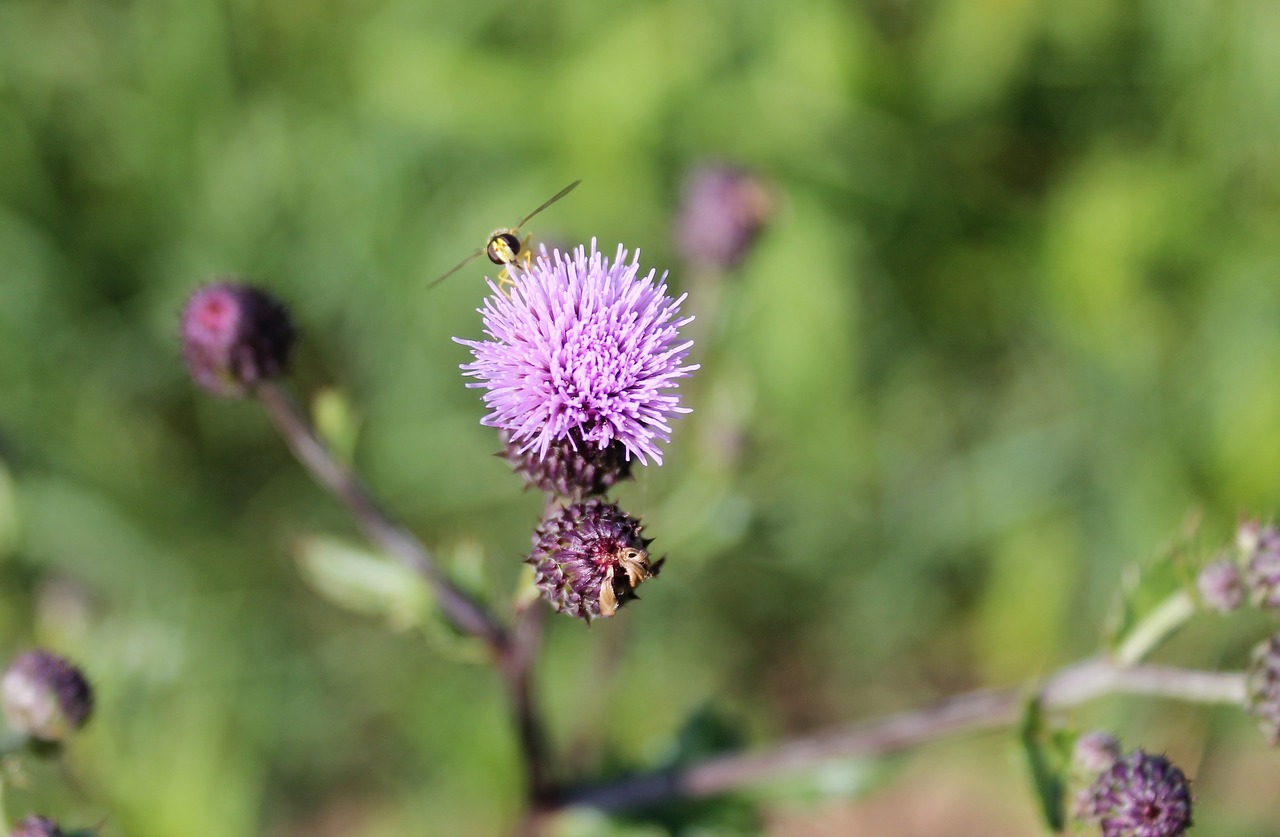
point(722, 211)
point(571, 468)
point(44, 696)
point(1261, 548)
point(1262, 684)
point(235, 336)
point(1221, 587)
point(1095, 752)
point(36, 826)
point(588, 559)
point(1140, 795)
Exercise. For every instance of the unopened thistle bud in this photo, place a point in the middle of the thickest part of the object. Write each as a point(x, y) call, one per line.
point(1221, 587)
point(1261, 548)
point(36, 826)
point(1140, 795)
point(589, 557)
point(44, 696)
point(1263, 687)
point(1095, 752)
point(723, 209)
point(571, 468)
point(235, 336)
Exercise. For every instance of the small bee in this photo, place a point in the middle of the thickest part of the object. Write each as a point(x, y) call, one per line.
point(505, 247)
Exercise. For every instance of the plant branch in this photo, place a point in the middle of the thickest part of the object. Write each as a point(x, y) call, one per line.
point(466, 614)
point(969, 712)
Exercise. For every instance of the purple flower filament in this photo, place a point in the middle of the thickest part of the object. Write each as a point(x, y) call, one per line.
point(582, 344)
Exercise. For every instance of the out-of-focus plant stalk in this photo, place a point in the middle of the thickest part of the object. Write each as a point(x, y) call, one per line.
point(513, 651)
point(969, 712)
point(1154, 628)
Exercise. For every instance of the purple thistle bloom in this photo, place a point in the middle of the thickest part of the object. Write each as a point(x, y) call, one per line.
point(582, 349)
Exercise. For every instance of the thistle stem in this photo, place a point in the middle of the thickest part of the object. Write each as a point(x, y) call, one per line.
point(969, 712)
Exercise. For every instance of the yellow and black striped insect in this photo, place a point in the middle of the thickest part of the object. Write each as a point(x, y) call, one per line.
point(504, 246)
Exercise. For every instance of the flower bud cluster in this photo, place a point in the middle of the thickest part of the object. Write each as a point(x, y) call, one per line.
point(579, 372)
point(1249, 572)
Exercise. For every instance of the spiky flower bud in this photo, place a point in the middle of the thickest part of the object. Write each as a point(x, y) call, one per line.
point(235, 336)
point(36, 826)
point(1262, 684)
point(1095, 752)
point(723, 209)
point(1260, 550)
point(44, 696)
point(589, 557)
point(571, 468)
point(1140, 795)
point(1221, 587)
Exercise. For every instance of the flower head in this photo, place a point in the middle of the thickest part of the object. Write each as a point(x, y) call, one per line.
point(1260, 546)
point(589, 558)
point(1221, 587)
point(1095, 752)
point(582, 349)
point(722, 211)
point(1263, 687)
point(45, 696)
point(35, 825)
point(1141, 795)
point(234, 336)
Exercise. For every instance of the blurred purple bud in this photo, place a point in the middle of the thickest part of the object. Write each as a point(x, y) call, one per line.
point(723, 209)
point(1095, 752)
point(1263, 687)
point(1140, 795)
point(589, 557)
point(1260, 546)
point(235, 336)
point(1221, 587)
point(572, 468)
point(36, 826)
point(44, 696)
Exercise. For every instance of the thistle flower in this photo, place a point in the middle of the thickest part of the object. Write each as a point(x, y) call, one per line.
point(1261, 548)
point(1262, 685)
point(584, 350)
point(571, 468)
point(35, 825)
point(235, 336)
point(1141, 795)
point(589, 558)
point(45, 696)
point(1221, 587)
point(723, 209)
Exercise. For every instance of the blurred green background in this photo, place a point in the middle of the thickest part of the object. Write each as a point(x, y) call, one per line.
point(1013, 322)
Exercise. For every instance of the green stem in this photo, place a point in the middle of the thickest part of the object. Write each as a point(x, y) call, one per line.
point(1155, 628)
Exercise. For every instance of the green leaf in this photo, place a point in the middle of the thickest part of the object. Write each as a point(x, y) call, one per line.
point(336, 422)
point(1047, 758)
point(365, 582)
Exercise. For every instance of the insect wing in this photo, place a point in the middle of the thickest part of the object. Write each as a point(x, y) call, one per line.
point(459, 266)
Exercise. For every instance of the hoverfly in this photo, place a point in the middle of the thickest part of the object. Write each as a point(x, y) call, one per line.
point(504, 246)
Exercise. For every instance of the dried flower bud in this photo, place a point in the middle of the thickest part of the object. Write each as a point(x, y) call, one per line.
point(589, 558)
point(1261, 549)
point(1141, 795)
point(572, 467)
point(1263, 687)
point(36, 826)
point(45, 696)
point(1221, 587)
point(235, 336)
point(1095, 752)
point(723, 209)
